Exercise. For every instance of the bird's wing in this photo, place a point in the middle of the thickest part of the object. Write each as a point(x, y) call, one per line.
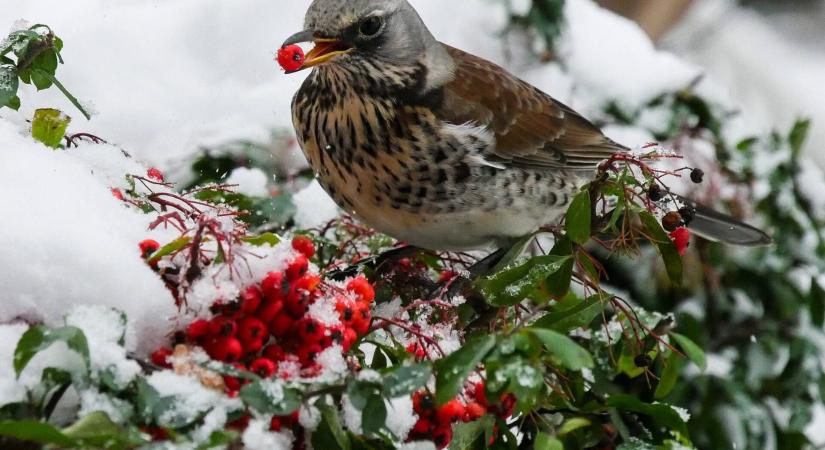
point(531, 128)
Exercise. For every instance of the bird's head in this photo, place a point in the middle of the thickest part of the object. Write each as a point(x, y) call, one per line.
point(389, 30)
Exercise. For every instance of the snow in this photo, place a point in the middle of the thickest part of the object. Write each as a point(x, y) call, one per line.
point(191, 398)
point(68, 242)
point(258, 437)
point(250, 182)
point(314, 207)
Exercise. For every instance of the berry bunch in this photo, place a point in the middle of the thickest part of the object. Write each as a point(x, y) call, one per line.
point(436, 423)
point(270, 331)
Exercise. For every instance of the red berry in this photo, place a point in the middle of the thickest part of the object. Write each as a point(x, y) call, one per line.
point(275, 424)
point(281, 326)
point(481, 394)
point(270, 310)
point(311, 331)
point(350, 336)
point(148, 247)
point(223, 326)
point(291, 58)
point(304, 245)
point(274, 352)
point(297, 302)
point(446, 276)
point(226, 349)
point(308, 352)
point(155, 174)
point(251, 329)
point(474, 411)
point(197, 330)
point(274, 286)
point(346, 311)
point(297, 268)
point(263, 367)
point(423, 428)
point(253, 347)
point(681, 239)
point(417, 350)
point(117, 193)
point(443, 435)
point(251, 299)
point(423, 404)
point(362, 289)
point(451, 411)
point(308, 282)
point(161, 357)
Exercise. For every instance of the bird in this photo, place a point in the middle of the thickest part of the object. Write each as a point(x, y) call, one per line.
point(437, 147)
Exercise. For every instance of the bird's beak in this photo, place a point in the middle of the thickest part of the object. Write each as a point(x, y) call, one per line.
point(326, 49)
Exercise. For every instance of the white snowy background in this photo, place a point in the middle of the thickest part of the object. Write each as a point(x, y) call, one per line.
point(167, 77)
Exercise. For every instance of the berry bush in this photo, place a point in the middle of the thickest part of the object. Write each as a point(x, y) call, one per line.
point(613, 329)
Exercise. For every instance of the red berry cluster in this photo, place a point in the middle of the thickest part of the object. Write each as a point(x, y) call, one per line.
point(435, 423)
point(268, 326)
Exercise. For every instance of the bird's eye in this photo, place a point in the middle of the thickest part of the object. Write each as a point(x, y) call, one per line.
point(370, 27)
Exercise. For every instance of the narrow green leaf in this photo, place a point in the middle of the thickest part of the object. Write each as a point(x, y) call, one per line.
point(570, 354)
point(573, 424)
point(660, 413)
point(8, 85)
point(817, 306)
point(558, 284)
point(271, 397)
point(93, 425)
point(467, 435)
point(330, 433)
point(546, 442)
point(670, 256)
point(66, 93)
point(38, 338)
point(512, 285)
point(170, 248)
point(577, 316)
point(405, 380)
point(669, 376)
point(374, 415)
point(693, 351)
point(798, 135)
point(452, 371)
point(260, 240)
point(579, 217)
point(34, 431)
point(514, 253)
point(49, 126)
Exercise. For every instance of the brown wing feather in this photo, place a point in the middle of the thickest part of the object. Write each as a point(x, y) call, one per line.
point(531, 128)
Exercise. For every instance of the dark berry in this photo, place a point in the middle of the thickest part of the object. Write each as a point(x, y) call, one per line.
point(672, 221)
point(697, 176)
point(655, 192)
point(688, 213)
point(643, 360)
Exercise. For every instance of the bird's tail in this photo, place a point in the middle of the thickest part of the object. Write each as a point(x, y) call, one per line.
point(717, 227)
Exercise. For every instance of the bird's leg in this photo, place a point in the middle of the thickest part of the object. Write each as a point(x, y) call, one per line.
point(375, 262)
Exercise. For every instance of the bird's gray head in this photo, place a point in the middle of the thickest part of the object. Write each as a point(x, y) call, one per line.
point(387, 29)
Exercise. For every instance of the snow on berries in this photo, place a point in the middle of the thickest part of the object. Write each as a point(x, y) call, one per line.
point(291, 58)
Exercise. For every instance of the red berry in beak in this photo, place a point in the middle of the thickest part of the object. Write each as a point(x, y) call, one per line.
point(291, 58)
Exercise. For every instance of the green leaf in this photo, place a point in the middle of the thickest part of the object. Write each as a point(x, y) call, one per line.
point(558, 284)
point(514, 253)
point(329, 434)
point(512, 285)
point(452, 371)
point(577, 316)
point(170, 248)
point(579, 217)
point(817, 305)
point(260, 240)
point(466, 435)
point(693, 351)
point(405, 380)
point(38, 338)
point(35, 431)
point(49, 126)
point(93, 425)
point(8, 85)
point(14, 103)
point(798, 135)
point(670, 374)
point(573, 424)
point(374, 415)
point(670, 256)
point(660, 413)
point(271, 397)
point(546, 442)
point(46, 62)
point(570, 354)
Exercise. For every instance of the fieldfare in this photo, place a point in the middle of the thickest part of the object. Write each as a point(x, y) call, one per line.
point(436, 147)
